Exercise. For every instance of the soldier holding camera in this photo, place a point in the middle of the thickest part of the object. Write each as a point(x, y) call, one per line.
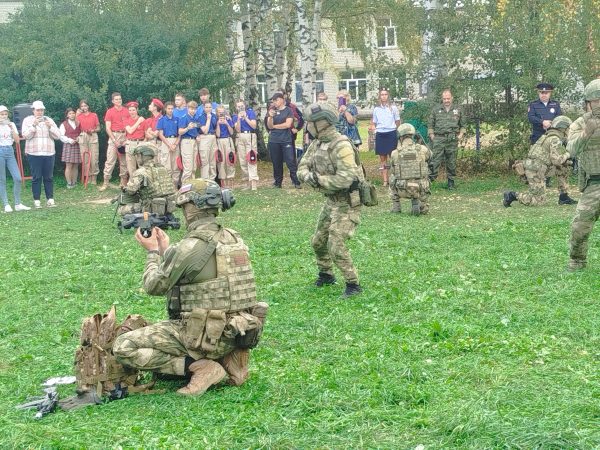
point(210, 332)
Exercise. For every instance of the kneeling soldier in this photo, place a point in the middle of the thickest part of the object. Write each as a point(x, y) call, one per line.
point(214, 316)
point(548, 152)
point(150, 188)
point(330, 165)
point(410, 173)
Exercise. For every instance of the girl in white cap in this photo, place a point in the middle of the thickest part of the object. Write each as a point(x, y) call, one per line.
point(8, 135)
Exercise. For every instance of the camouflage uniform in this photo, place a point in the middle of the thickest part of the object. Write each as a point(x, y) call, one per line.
point(211, 295)
point(151, 187)
point(446, 125)
point(410, 174)
point(330, 166)
point(545, 155)
point(586, 147)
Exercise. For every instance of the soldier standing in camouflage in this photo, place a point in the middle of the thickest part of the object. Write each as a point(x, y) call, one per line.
point(150, 188)
point(545, 155)
point(584, 143)
point(446, 128)
point(410, 174)
point(214, 316)
point(330, 166)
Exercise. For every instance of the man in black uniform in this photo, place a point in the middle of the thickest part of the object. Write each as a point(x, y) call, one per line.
point(541, 112)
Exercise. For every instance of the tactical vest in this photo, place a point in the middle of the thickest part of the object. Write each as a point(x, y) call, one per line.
point(589, 158)
point(96, 368)
point(410, 165)
point(157, 194)
point(233, 289)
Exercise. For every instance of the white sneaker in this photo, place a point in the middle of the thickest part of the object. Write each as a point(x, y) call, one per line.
point(22, 207)
point(36, 204)
point(50, 203)
point(8, 209)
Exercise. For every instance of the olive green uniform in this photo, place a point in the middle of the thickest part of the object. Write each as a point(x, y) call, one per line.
point(332, 160)
point(587, 150)
point(547, 154)
point(445, 125)
point(208, 305)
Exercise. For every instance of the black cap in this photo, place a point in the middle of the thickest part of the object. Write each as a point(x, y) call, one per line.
point(544, 87)
point(277, 95)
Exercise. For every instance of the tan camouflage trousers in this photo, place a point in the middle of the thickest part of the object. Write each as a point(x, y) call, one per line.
point(160, 348)
point(562, 177)
point(336, 224)
point(536, 194)
point(418, 189)
point(586, 215)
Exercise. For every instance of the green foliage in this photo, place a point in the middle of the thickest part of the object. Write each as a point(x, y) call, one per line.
point(62, 51)
point(469, 335)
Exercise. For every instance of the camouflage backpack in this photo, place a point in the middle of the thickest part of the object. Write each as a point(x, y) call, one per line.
point(158, 195)
point(96, 368)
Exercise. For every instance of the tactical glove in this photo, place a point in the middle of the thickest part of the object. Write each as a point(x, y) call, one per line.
point(312, 180)
point(83, 398)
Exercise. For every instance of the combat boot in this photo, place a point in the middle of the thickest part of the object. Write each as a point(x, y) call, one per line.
point(205, 373)
point(352, 289)
point(236, 366)
point(564, 199)
point(450, 184)
point(103, 187)
point(324, 279)
point(509, 197)
point(396, 208)
point(416, 207)
point(575, 265)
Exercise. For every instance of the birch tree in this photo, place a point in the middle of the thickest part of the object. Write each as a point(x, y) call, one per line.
point(309, 31)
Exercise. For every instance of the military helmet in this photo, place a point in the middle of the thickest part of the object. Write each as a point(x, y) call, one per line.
point(146, 150)
point(592, 90)
point(406, 129)
point(321, 111)
point(205, 194)
point(561, 122)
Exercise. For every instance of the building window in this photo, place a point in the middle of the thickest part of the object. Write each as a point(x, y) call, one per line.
point(262, 88)
point(355, 83)
point(319, 86)
point(386, 34)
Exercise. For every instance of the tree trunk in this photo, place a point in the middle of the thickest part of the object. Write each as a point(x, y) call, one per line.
point(268, 47)
point(249, 10)
point(309, 40)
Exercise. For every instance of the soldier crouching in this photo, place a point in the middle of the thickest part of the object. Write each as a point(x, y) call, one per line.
point(330, 166)
point(547, 155)
point(214, 316)
point(410, 173)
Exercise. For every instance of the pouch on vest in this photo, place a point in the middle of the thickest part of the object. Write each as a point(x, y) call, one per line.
point(368, 193)
point(159, 206)
point(250, 330)
point(215, 324)
point(194, 329)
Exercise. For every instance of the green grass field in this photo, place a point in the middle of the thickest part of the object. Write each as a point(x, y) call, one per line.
point(469, 333)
